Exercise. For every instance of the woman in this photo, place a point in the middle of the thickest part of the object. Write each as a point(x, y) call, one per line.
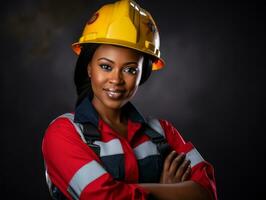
point(106, 149)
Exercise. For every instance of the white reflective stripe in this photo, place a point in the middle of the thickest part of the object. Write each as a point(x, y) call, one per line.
point(78, 126)
point(112, 147)
point(48, 181)
point(79, 129)
point(146, 149)
point(194, 156)
point(70, 116)
point(86, 175)
point(156, 125)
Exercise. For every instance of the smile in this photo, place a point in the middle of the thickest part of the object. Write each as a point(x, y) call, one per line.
point(114, 94)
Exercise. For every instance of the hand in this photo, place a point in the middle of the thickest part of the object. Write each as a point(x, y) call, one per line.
point(176, 169)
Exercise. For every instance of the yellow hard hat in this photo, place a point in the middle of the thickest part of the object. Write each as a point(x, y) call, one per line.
point(123, 23)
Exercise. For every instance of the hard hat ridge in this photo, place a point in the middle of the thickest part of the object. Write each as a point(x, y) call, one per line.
point(123, 23)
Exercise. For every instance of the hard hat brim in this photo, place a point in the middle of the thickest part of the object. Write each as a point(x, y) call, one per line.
point(158, 63)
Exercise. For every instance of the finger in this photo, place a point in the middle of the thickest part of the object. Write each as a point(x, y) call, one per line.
point(169, 159)
point(182, 169)
point(176, 164)
point(187, 174)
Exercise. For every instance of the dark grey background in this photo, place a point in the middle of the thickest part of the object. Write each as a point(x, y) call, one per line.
point(211, 88)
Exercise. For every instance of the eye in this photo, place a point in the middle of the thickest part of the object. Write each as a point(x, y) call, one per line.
point(105, 67)
point(131, 70)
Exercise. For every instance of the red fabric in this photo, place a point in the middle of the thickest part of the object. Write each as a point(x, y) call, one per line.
point(65, 153)
point(202, 173)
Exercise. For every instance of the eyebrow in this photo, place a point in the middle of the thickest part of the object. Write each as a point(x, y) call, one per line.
point(106, 59)
point(127, 63)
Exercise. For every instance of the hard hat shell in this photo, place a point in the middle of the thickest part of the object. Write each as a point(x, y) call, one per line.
point(123, 23)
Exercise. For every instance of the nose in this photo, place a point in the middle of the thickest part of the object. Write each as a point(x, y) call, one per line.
point(116, 77)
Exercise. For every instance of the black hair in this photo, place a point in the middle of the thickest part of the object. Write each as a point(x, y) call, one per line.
point(82, 80)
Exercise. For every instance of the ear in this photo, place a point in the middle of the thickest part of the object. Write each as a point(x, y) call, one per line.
point(89, 70)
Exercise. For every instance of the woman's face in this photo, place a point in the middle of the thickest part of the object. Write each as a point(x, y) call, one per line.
point(115, 74)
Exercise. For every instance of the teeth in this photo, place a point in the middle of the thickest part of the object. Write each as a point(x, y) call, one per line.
point(114, 94)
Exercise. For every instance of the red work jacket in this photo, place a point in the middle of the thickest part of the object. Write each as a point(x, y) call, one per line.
point(78, 172)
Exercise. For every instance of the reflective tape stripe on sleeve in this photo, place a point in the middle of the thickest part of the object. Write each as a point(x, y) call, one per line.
point(112, 147)
point(146, 149)
point(194, 156)
point(84, 176)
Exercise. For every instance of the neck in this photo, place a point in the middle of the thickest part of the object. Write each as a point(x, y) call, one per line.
point(109, 115)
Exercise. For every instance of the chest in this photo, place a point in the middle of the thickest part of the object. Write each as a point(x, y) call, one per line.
point(135, 161)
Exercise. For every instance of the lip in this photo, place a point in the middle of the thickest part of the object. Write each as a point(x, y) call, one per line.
point(114, 93)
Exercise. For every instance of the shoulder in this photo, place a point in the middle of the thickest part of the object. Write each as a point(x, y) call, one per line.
point(166, 128)
point(61, 123)
point(61, 129)
point(62, 139)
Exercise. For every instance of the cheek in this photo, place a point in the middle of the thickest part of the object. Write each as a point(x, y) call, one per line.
point(97, 78)
point(132, 84)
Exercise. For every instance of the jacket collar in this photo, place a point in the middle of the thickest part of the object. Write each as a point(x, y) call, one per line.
point(86, 113)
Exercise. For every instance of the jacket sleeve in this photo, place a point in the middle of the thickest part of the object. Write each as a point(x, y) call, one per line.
point(77, 171)
point(202, 171)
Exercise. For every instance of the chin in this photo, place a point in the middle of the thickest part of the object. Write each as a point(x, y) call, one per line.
point(115, 104)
